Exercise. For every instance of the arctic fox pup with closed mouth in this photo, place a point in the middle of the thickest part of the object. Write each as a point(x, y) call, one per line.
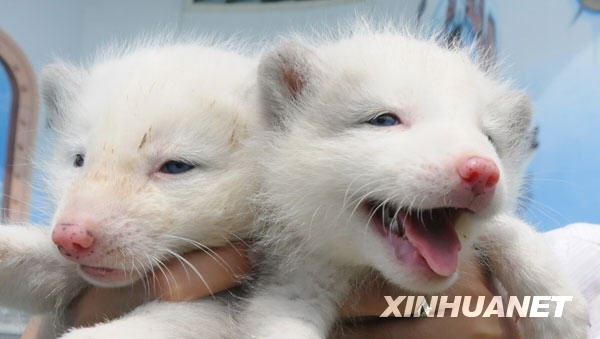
point(149, 162)
point(395, 154)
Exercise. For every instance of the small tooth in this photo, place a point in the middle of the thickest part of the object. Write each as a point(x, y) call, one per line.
point(394, 225)
point(385, 215)
point(390, 211)
point(387, 221)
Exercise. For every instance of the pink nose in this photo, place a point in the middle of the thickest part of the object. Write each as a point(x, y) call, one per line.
point(73, 240)
point(479, 174)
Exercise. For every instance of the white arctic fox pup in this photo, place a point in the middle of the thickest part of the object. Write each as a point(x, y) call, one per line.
point(150, 162)
point(394, 154)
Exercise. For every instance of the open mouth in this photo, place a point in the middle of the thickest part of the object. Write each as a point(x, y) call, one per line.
point(424, 238)
point(105, 274)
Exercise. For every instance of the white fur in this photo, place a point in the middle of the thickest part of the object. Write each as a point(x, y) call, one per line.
point(129, 112)
point(324, 161)
point(159, 320)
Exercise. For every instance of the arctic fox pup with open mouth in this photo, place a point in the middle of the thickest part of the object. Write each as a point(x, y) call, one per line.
point(149, 162)
point(395, 154)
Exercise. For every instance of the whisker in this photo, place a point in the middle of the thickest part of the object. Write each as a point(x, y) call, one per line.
point(209, 251)
point(193, 269)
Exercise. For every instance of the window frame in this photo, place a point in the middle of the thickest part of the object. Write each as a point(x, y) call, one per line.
point(24, 111)
point(192, 6)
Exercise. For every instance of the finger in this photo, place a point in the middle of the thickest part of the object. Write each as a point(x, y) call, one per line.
point(33, 328)
point(370, 302)
point(447, 327)
point(99, 304)
point(202, 273)
point(473, 280)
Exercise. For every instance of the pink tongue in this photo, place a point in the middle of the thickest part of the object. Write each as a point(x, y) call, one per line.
point(435, 238)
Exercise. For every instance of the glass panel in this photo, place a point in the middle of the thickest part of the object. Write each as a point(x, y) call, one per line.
point(5, 101)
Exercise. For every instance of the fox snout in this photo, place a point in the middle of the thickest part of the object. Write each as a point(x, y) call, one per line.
point(74, 239)
point(480, 175)
point(477, 184)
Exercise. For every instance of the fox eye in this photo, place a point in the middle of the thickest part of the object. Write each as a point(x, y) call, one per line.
point(384, 120)
point(175, 167)
point(79, 160)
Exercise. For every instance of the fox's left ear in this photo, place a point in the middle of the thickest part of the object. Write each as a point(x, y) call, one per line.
point(287, 75)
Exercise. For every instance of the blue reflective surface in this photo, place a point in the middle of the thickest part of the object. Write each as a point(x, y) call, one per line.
point(5, 100)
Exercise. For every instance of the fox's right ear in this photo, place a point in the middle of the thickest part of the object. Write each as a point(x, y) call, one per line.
point(286, 76)
point(60, 84)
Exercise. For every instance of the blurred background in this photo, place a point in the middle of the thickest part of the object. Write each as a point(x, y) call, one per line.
point(551, 48)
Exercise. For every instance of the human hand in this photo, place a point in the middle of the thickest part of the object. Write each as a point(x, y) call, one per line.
point(473, 281)
point(99, 304)
point(174, 282)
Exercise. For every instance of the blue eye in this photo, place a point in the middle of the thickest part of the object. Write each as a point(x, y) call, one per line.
point(175, 167)
point(79, 160)
point(387, 119)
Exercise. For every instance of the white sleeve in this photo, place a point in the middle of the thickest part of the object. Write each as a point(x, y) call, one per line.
point(578, 248)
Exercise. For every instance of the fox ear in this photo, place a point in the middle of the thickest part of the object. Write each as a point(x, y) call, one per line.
point(60, 84)
point(287, 76)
